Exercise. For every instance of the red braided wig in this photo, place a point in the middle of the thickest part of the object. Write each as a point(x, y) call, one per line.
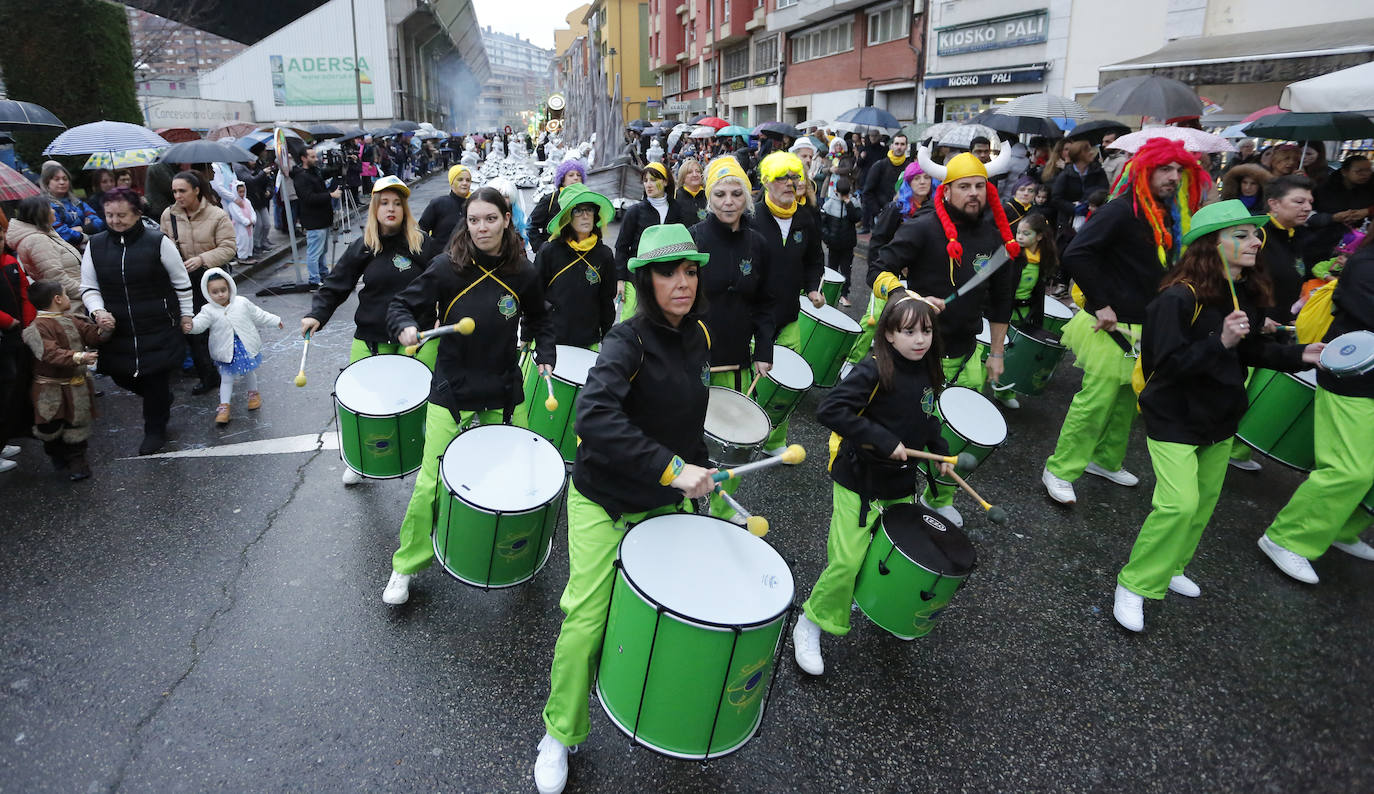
point(954, 248)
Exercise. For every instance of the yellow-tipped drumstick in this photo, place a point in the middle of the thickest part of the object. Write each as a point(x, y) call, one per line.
point(550, 404)
point(757, 525)
point(963, 460)
point(300, 376)
point(794, 454)
point(464, 326)
point(995, 514)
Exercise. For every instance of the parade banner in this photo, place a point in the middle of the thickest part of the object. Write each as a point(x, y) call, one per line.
point(318, 80)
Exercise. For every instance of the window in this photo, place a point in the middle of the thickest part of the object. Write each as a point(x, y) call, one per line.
point(765, 53)
point(693, 77)
point(820, 42)
point(737, 62)
point(786, 4)
point(672, 82)
point(888, 24)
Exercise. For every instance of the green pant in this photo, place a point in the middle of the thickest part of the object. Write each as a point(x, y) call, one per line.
point(1326, 507)
point(427, 353)
point(1187, 483)
point(970, 374)
point(1096, 429)
point(730, 380)
point(789, 337)
point(629, 302)
point(417, 551)
point(593, 539)
point(828, 606)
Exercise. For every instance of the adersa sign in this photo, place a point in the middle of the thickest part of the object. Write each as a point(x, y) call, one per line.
point(993, 34)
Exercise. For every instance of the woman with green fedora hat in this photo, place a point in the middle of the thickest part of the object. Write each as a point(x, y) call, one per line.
point(1201, 333)
point(640, 420)
point(578, 269)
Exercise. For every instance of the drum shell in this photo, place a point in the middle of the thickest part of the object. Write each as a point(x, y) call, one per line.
point(824, 347)
point(1052, 323)
point(1279, 421)
point(832, 283)
point(908, 599)
point(958, 441)
point(777, 399)
point(1030, 360)
point(382, 445)
point(557, 426)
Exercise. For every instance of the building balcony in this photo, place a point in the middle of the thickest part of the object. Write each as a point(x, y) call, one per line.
point(809, 12)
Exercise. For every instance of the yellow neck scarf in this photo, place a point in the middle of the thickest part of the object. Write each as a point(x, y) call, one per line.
point(691, 192)
point(781, 212)
point(1275, 221)
point(1032, 257)
point(895, 160)
point(584, 246)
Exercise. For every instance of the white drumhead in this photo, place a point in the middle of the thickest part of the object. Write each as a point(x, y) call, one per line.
point(707, 569)
point(1308, 376)
point(984, 336)
point(973, 415)
point(790, 369)
point(502, 468)
point(383, 385)
point(1349, 352)
point(1053, 308)
point(829, 315)
point(732, 417)
point(573, 364)
point(832, 275)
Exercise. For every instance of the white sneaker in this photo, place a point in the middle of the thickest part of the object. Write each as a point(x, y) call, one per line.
point(1120, 476)
point(1244, 465)
point(551, 767)
point(1184, 586)
point(1060, 490)
point(1009, 401)
point(9, 451)
point(1357, 549)
point(948, 513)
point(351, 477)
point(1291, 563)
point(397, 589)
point(1129, 609)
point(806, 646)
point(6, 464)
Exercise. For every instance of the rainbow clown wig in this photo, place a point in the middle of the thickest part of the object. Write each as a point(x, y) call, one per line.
point(1134, 181)
point(962, 166)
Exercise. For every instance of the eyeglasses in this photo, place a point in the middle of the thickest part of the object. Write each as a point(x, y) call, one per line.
point(790, 178)
point(588, 210)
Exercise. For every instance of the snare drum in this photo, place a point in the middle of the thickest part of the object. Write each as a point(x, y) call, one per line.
point(827, 336)
point(969, 423)
point(1349, 354)
point(496, 517)
point(1031, 357)
point(736, 427)
point(1279, 420)
point(693, 634)
point(568, 378)
point(832, 282)
point(380, 401)
point(1057, 315)
point(780, 389)
point(914, 566)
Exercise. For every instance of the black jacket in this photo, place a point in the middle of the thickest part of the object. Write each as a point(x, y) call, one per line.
point(872, 420)
point(439, 220)
point(638, 218)
point(1071, 188)
point(545, 210)
point(880, 183)
point(838, 229)
point(1015, 212)
point(1352, 310)
point(886, 225)
point(317, 207)
point(644, 402)
point(128, 269)
point(383, 273)
point(692, 209)
point(795, 265)
point(739, 305)
point(579, 290)
point(1196, 388)
point(1115, 261)
point(918, 254)
point(476, 372)
point(1281, 256)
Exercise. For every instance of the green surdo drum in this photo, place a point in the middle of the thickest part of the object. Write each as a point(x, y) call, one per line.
point(914, 566)
point(1057, 315)
point(695, 625)
point(969, 423)
point(1279, 420)
point(500, 503)
point(832, 283)
point(568, 378)
point(380, 401)
point(827, 336)
point(1030, 359)
point(780, 390)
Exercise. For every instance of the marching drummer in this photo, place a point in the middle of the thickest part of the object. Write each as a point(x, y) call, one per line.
point(1035, 235)
point(389, 255)
point(874, 426)
point(577, 269)
point(656, 208)
point(640, 418)
point(739, 308)
point(691, 195)
point(796, 259)
point(484, 277)
point(1198, 341)
point(940, 252)
point(445, 213)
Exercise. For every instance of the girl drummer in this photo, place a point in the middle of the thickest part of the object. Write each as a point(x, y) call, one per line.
point(874, 425)
point(483, 276)
point(1038, 267)
point(657, 207)
point(1195, 348)
point(640, 418)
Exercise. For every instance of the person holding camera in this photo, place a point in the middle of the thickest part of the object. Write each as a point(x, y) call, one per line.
point(317, 212)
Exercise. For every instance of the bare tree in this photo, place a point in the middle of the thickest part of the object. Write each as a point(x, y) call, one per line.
point(155, 34)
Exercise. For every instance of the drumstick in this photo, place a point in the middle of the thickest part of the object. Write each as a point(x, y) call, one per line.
point(300, 376)
point(995, 514)
point(752, 384)
point(792, 455)
point(1235, 304)
point(550, 404)
point(464, 326)
point(725, 368)
point(964, 460)
point(757, 525)
point(1290, 329)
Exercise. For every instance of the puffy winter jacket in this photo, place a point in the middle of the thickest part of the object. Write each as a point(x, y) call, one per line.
point(240, 318)
point(45, 255)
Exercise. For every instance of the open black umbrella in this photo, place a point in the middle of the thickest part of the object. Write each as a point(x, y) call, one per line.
point(1094, 130)
point(405, 126)
point(779, 128)
point(17, 116)
point(1312, 127)
point(352, 134)
point(205, 152)
point(384, 132)
point(637, 124)
point(1148, 95)
point(1017, 125)
point(325, 131)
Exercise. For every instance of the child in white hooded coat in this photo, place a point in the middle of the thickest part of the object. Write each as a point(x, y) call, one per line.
point(235, 344)
point(243, 215)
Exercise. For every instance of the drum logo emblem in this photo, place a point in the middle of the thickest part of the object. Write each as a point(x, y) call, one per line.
point(701, 214)
point(506, 305)
point(511, 548)
point(935, 524)
point(379, 445)
point(401, 262)
point(746, 266)
point(928, 401)
point(746, 686)
point(593, 277)
point(705, 375)
point(1347, 350)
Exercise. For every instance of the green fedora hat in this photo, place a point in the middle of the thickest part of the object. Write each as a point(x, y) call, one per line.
point(667, 242)
point(1221, 215)
point(577, 194)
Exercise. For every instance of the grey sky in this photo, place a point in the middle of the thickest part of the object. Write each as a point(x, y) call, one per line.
point(532, 19)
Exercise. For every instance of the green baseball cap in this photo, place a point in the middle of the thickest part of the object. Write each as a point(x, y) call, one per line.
point(1221, 215)
point(577, 194)
point(668, 242)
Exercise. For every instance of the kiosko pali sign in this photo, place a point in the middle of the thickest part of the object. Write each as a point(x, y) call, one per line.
point(1031, 27)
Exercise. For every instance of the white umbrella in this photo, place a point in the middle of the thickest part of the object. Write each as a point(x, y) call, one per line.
point(961, 137)
point(104, 136)
point(703, 132)
point(1195, 141)
point(1346, 90)
point(812, 124)
point(1043, 106)
point(936, 131)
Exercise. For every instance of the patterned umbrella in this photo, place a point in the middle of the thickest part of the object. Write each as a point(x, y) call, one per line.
point(1043, 106)
point(961, 137)
point(1195, 141)
point(104, 136)
point(13, 185)
point(703, 132)
point(130, 158)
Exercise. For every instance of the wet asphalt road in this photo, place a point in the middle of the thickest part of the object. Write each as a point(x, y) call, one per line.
point(215, 623)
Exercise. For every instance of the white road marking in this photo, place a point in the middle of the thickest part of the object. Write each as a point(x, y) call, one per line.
point(309, 442)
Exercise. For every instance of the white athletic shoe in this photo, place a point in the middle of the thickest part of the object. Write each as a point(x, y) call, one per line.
point(351, 477)
point(1120, 476)
point(1184, 586)
point(397, 590)
point(1129, 609)
point(1244, 465)
point(1009, 401)
point(806, 646)
point(6, 464)
point(1060, 490)
point(948, 513)
point(551, 767)
point(1357, 549)
point(1291, 563)
point(9, 451)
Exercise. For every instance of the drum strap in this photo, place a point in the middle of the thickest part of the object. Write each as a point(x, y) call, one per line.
point(580, 258)
point(486, 274)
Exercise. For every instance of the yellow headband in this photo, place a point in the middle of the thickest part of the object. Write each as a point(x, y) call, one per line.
point(912, 296)
point(778, 163)
point(457, 171)
point(658, 168)
point(725, 167)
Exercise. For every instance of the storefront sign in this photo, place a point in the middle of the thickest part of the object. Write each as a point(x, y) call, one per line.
point(986, 78)
point(318, 80)
point(993, 34)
